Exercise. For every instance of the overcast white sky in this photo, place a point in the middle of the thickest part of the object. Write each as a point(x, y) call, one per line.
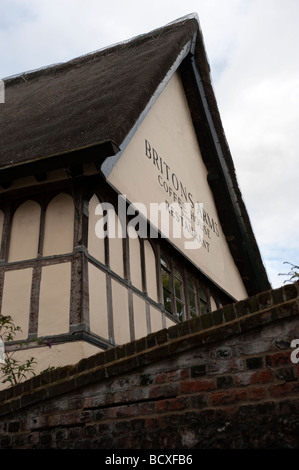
point(253, 50)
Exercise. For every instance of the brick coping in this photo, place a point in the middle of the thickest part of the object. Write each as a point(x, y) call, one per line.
point(228, 321)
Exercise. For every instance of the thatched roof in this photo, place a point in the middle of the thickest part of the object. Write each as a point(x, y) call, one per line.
point(88, 100)
point(95, 101)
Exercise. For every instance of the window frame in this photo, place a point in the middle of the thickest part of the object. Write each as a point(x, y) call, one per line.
point(175, 278)
point(192, 311)
point(195, 301)
point(165, 270)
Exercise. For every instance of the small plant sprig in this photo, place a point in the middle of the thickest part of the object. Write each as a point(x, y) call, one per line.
point(12, 370)
point(293, 273)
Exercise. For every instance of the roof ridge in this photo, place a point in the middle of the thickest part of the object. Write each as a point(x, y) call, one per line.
point(188, 17)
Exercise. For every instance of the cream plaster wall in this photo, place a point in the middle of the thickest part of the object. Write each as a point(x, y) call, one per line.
point(135, 261)
point(140, 324)
point(97, 301)
point(116, 261)
point(54, 304)
point(120, 307)
point(96, 245)
point(169, 322)
point(156, 319)
point(25, 232)
point(213, 304)
point(150, 270)
point(59, 226)
point(16, 298)
point(159, 176)
point(97, 232)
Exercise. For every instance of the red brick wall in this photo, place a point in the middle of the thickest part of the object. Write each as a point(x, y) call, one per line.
point(225, 380)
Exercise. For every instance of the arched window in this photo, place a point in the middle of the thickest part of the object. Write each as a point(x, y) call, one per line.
point(203, 303)
point(166, 285)
point(173, 290)
point(178, 294)
point(191, 298)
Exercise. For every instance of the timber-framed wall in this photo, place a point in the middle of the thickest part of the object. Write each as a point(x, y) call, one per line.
point(60, 282)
